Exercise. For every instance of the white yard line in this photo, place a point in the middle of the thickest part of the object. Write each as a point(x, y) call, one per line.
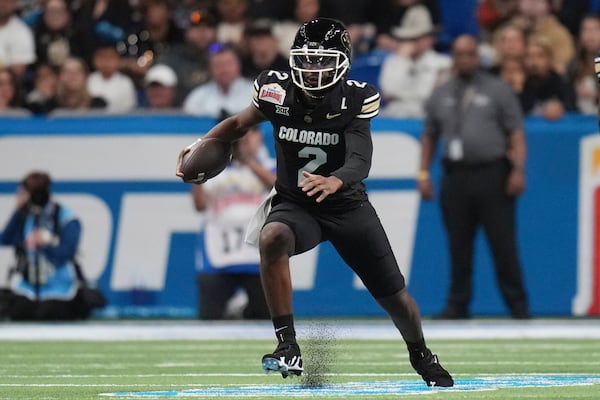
point(359, 329)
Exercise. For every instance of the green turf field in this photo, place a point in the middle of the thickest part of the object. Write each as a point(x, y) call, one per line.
point(84, 370)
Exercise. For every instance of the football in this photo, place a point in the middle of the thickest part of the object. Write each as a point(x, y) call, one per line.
point(206, 159)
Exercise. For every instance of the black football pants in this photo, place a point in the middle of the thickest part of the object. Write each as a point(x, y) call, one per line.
point(473, 196)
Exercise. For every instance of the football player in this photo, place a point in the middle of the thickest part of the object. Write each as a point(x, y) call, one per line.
point(323, 145)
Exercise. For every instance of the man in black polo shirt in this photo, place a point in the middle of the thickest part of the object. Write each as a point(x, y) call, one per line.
point(480, 123)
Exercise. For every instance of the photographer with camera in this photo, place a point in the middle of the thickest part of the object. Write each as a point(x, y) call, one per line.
point(46, 283)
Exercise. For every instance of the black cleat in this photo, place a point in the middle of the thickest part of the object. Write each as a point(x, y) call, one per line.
point(286, 359)
point(431, 371)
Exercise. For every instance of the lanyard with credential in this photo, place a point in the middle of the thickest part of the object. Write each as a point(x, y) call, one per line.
point(462, 102)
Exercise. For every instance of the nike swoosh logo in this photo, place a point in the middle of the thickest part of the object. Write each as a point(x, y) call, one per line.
point(332, 116)
point(280, 329)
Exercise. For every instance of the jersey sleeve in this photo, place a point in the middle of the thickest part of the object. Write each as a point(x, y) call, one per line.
point(370, 104)
point(268, 90)
point(359, 145)
point(255, 89)
point(359, 152)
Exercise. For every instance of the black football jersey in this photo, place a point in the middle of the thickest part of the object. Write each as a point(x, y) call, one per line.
point(331, 138)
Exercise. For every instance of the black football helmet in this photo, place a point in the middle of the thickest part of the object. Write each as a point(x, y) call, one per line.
point(320, 55)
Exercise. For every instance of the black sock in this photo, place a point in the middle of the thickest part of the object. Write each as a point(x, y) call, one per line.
point(284, 328)
point(417, 350)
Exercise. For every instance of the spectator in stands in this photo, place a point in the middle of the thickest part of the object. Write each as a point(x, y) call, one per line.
point(17, 46)
point(389, 14)
point(72, 92)
point(512, 70)
point(409, 75)
point(571, 13)
point(285, 31)
point(227, 91)
point(509, 42)
point(359, 20)
point(535, 18)
point(149, 31)
point(53, 33)
point(545, 92)
point(42, 98)
point(162, 30)
point(109, 83)
point(361, 12)
point(491, 14)
point(581, 72)
point(190, 60)
point(233, 19)
point(225, 263)
point(160, 87)
point(274, 10)
point(263, 51)
point(183, 8)
point(25, 7)
point(107, 21)
point(10, 99)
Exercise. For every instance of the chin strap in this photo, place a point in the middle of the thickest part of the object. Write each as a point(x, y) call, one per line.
point(312, 96)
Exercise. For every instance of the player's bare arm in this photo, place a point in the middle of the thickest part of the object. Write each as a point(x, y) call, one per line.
point(229, 130)
point(236, 126)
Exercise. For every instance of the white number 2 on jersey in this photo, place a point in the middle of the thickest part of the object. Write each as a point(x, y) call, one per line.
point(320, 158)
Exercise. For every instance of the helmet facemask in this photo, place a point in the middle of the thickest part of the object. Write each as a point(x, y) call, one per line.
point(317, 69)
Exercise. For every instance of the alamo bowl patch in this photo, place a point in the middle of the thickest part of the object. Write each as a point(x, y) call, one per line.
point(273, 93)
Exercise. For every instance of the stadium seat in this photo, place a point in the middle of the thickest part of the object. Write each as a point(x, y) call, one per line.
point(458, 17)
point(366, 68)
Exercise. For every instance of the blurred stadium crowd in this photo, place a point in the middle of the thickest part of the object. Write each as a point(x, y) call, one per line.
point(117, 56)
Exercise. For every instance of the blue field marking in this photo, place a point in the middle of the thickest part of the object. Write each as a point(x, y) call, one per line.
point(372, 388)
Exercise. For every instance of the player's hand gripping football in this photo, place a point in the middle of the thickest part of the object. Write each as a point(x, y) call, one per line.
point(317, 184)
point(203, 159)
point(179, 171)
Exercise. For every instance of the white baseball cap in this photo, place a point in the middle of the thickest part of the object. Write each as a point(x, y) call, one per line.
point(161, 74)
point(416, 22)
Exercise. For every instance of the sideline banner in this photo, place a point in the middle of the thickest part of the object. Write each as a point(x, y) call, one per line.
point(140, 228)
point(587, 301)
